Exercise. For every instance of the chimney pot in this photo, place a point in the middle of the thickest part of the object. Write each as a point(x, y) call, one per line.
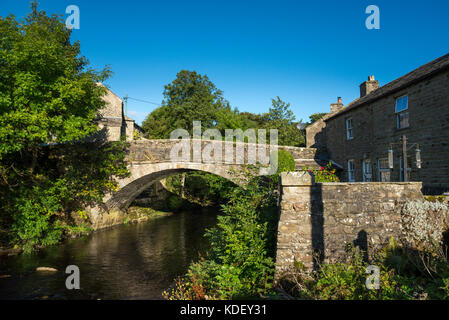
point(336, 106)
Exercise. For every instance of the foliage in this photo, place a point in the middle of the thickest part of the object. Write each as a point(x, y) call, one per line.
point(137, 135)
point(174, 203)
point(190, 97)
point(286, 163)
point(324, 174)
point(77, 230)
point(240, 263)
point(193, 97)
point(436, 198)
point(428, 270)
point(404, 274)
point(201, 187)
point(348, 281)
point(33, 224)
point(281, 118)
point(315, 117)
point(52, 161)
point(227, 118)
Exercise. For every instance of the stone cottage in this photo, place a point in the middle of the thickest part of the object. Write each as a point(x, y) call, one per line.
point(114, 121)
point(358, 136)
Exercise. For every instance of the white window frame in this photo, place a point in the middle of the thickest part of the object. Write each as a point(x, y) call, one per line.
point(351, 170)
point(400, 99)
point(367, 174)
point(401, 108)
point(349, 129)
point(380, 170)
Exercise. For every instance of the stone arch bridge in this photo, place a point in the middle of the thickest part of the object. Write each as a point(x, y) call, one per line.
point(150, 161)
point(315, 219)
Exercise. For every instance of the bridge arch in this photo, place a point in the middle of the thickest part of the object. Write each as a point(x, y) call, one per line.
point(144, 174)
point(150, 161)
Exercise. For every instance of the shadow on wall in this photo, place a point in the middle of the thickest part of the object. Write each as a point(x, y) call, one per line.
point(362, 243)
point(101, 136)
point(317, 222)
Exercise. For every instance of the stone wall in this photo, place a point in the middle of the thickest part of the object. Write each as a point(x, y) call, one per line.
point(159, 151)
point(129, 129)
point(316, 135)
point(321, 219)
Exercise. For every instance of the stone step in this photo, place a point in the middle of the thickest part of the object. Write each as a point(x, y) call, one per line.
point(301, 163)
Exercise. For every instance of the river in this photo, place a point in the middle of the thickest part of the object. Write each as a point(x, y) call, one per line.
point(136, 261)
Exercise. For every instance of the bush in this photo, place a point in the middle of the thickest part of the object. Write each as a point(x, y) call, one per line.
point(324, 174)
point(174, 203)
point(201, 187)
point(240, 263)
point(286, 162)
point(34, 221)
point(404, 274)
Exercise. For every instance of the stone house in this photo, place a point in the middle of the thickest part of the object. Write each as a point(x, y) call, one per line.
point(114, 121)
point(358, 136)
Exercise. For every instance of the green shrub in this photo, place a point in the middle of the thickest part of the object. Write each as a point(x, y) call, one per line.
point(201, 187)
point(174, 203)
point(286, 162)
point(34, 221)
point(240, 263)
point(404, 274)
point(324, 174)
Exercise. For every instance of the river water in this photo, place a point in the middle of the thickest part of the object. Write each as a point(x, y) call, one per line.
point(136, 261)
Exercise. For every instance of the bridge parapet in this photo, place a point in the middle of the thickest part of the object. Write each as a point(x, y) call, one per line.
point(228, 152)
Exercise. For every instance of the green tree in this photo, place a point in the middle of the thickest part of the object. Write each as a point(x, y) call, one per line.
point(315, 117)
point(281, 117)
point(190, 97)
point(48, 100)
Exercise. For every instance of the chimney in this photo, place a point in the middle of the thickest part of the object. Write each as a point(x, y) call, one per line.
point(336, 106)
point(368, 86)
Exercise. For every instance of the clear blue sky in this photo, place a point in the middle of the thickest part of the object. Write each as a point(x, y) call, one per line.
point(306, 52)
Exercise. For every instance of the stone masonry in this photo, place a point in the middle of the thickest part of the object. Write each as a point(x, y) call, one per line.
point(149, 161)
point(375, 127)
point(321, 219)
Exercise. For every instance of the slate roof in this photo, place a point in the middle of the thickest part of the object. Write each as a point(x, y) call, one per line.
point(423, 72)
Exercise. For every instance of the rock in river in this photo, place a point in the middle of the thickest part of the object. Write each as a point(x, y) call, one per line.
point(46, 269)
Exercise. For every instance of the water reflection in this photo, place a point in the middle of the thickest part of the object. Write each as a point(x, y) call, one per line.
point(128, 262)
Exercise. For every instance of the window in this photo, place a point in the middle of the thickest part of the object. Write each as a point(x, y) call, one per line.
point(401, 104)
point(349, 132)
point(402, 120)
point(384, 173)
point(401, 110)
point(367, 171)
point(351, 171)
